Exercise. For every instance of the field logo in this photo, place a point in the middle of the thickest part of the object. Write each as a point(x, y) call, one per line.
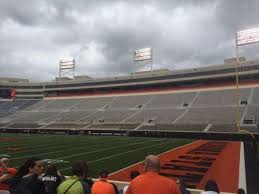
point(54, 161)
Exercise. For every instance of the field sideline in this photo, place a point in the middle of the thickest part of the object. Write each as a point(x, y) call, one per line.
point(113, 153)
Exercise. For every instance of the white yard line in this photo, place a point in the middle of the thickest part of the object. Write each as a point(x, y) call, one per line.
point(104, 149)
point(115, 155)
point(157, 155)
point(242, 169)
point(23, 144)
point(65, 150)
point(45, 146)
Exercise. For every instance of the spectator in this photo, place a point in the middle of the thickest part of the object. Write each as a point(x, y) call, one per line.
point(89, 181)
point(116, 190)
point(241, 191)
point(26, 179)
point(102, 186)
point(6, 173)
point(151, 182)
point(182, 186)
point(133, 174)
point(51, 179)
point(75, 183)
point(211, 187)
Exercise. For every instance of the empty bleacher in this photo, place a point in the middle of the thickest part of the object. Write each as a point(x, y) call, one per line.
point(174, 127)
point(158, 115)
point(217, 115)
point(110, 116)
point(69, 116)
point(66, 125)
point(220, 97)
point(189, 111)
point(115, 126)
point(92, 103)
point(23, 125)
point(125, 102)
point(31, 117)
point(171, 100)
point(13, 106)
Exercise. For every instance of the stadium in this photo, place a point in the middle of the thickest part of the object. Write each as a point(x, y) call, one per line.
point(187, 117)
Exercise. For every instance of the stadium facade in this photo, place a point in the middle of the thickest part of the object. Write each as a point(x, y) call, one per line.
point(157, 79)
point(195, 100)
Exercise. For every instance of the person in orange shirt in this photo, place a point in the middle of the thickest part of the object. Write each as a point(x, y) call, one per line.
point(5, 174)
point(102, 186)
point(151, 182)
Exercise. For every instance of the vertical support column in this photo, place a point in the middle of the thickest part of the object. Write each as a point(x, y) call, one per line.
point(237, 90)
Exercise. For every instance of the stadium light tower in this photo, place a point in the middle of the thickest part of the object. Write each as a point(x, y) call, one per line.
point(67, 67)
point(144, 55)
point(243, 37)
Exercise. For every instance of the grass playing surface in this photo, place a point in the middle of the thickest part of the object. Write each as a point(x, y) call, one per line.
point(112, 153)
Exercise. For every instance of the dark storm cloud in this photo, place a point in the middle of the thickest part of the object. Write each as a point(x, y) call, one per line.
point(103, 34)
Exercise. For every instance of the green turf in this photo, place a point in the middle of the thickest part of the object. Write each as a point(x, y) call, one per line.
point(112, 153)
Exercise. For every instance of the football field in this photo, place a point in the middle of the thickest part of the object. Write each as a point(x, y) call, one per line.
point(109, 152)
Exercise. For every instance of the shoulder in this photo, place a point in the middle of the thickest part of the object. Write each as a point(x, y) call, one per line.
point(35, 180)
point(86, 187)
point(96, 183)
point(139, 178)
point(89, 181)
point(167, 180)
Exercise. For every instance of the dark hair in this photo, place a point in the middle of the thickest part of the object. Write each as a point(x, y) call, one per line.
point(51, 169)
point(134, 174)
point(241, 191)
point(103, 173)
point(211, 185)
point(24, 169)
point(80, 168)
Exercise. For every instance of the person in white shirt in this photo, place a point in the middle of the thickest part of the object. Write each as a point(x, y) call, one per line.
point(211, 187)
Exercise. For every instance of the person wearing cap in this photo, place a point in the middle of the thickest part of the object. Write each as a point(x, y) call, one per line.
point(6, 173)
point(102, 186)
point(151, 182)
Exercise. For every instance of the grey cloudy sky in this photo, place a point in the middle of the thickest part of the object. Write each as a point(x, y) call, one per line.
point(102, 34)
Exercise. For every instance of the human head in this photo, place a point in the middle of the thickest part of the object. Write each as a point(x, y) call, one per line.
point(32, 166)
point(4, 162)
point(152, 164)
point(134, 174)
point(241, 191)
point(103, 174)
point(80, 168)
point(211, 185)
point(51, 169)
